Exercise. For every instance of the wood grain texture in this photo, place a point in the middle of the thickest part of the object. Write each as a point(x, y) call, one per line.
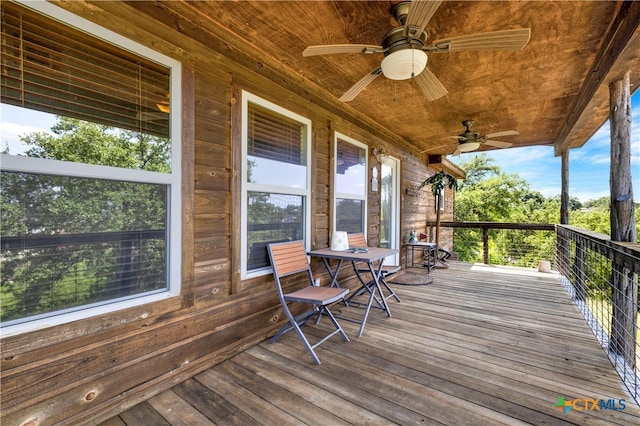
point(479, 345)
point(83, 372)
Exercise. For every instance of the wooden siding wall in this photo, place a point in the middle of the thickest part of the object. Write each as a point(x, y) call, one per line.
point(90, 370)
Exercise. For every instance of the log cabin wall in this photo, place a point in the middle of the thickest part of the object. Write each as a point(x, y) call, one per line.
point(89, 370)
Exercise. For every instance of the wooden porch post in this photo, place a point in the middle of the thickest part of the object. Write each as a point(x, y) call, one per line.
point(623, 223)
point(622, 217)
point(563, 245)
point(485, 245)
point(564, 193)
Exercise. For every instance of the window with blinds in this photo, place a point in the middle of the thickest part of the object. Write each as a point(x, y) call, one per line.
point(276, 188)
point(64, 71)
point(276, 148)
point(91, 217)
point(274, 136)
point(350, 195)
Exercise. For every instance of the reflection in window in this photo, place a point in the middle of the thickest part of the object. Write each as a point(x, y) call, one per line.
point(71, 241)
point(90, 206)
point(349, 215)
point(351, 185)
point(272, 218)
point(275, 181)
point(351, 169)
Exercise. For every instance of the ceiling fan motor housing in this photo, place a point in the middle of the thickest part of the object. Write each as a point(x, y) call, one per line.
point(468, 140)
point(400, 11)
point(404, 57)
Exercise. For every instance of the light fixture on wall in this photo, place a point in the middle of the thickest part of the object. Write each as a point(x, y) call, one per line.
point(404, 64)
point(380, 155)
point(164, 106)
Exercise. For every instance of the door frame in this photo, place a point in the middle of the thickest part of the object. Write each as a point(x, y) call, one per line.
point(394, 240)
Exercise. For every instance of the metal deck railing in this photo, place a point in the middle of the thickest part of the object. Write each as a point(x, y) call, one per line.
point(600, 275)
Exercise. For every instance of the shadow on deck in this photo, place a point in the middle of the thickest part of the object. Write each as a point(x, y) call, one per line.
point(479, 345)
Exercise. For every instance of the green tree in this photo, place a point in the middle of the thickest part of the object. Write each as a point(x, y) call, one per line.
point(89, 143)
point(490, 195)
point(48, 278)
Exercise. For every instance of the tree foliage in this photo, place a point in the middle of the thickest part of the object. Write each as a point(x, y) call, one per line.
point(489, 194)
point(48, 278)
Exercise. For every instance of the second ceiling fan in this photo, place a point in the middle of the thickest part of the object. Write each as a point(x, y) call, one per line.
point(405, 49)
point(470, 141)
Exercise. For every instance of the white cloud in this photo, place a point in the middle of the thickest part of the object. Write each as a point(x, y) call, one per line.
point(600, 159)
point(13, 131)
point(10, 136)
point(521, 155)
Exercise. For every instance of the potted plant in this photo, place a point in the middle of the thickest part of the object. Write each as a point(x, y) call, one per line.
point(438, 183)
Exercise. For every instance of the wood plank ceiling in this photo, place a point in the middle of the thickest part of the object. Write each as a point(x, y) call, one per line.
point(553, 92)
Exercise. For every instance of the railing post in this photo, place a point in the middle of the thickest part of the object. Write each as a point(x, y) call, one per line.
point(624, 313)
point(563, 255)
point(579, 271)
point(485, 245)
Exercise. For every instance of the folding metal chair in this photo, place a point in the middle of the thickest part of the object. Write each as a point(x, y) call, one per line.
point(358, 240)
point(290, 258)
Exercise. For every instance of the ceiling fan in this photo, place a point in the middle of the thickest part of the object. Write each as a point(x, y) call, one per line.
point(405, 49)
point(470, 141)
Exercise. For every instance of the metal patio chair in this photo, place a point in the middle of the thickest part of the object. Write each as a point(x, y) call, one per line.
point(358, 240)
point(290, 258)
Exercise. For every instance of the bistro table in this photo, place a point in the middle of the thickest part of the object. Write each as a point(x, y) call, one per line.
point(368, 255)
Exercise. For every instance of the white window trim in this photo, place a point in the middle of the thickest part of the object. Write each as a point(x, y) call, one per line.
point(174, 179)
point(336, 194)
point(246, 186)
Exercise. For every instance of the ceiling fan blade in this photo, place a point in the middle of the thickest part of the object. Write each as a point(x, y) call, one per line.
point(460, 138)
point(456, 152)
point(330, 49)
point(497, 40)
point(420, 13)
point(351, 94)
point(500, 134)
point(430, 85)
point(498, 144)
point(434, 148)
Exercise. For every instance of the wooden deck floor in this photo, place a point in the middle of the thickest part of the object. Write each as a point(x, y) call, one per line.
point(480, 345)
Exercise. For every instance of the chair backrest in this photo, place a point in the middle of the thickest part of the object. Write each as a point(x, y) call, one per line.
point(287, 259)
point(357, 240)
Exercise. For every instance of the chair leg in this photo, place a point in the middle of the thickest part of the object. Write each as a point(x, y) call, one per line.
point(392, 293)
point(307, 344)
point(295, 323)
point(339, 329)
point(300, 320)
point(367, 288)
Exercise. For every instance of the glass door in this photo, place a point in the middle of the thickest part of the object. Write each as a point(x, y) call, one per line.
point(390, 208)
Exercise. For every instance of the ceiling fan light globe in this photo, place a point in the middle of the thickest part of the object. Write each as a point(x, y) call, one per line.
point(468, 146)
point(404, 64)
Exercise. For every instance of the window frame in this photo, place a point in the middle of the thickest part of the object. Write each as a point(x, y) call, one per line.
point(247, 187)
point(172, 180)
point(340, 195)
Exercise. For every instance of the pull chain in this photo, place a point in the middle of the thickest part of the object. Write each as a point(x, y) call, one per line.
point(413, 64)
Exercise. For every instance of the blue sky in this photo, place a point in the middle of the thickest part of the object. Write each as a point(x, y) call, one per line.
point(588, 165)
point(15, 122)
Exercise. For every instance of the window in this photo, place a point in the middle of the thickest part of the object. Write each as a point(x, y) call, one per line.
point(275, 180)
point(90, 201)
point(350, 185)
